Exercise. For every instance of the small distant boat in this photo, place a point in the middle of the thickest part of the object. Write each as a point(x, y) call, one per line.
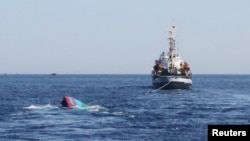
point(71, 102)
point(170, 70)
point(53, 74)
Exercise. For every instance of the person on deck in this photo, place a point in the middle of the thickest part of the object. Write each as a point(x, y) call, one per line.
point(157, 66)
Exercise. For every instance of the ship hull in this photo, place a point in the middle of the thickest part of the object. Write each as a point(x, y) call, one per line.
point(172, 82)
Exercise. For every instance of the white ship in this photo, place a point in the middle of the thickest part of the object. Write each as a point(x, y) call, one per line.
point(170, 70)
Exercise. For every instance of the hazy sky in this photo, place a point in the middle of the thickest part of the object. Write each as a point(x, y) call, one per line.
point(122, 36)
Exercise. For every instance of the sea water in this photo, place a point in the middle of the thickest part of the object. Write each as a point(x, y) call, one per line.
point(119, 107)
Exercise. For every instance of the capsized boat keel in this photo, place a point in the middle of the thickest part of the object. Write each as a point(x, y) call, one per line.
point(72, 102)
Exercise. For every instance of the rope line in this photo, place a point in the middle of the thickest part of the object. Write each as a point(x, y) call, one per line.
point(161, 87)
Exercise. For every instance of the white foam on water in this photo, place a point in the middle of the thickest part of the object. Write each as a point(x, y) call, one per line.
point(47, 106)
point(97, 108)
point(132, 116)
point(118, 113)
point(81, 108)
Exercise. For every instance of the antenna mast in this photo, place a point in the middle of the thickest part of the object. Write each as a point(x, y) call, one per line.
point(171, 47)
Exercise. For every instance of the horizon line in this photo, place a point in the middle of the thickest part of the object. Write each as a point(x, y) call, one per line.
point(115, 74)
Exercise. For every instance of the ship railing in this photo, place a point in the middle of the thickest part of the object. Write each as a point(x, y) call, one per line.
point(165, 73)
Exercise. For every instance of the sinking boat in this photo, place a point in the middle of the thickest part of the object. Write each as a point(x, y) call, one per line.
point(71, 102)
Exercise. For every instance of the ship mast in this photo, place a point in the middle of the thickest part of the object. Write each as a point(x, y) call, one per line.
point(171, 52)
